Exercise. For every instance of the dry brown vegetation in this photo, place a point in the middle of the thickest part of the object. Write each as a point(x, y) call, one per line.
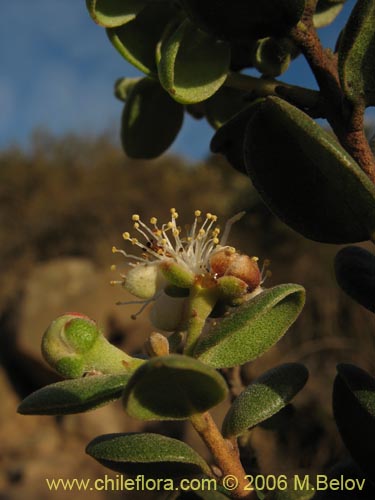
point(72, 198)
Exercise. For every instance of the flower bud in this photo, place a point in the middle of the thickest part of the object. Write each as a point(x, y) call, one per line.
point(227, 262)
point(177, 274)
point(157, 345)
point(143, 281)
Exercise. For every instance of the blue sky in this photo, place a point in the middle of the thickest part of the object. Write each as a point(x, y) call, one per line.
point(58, 70)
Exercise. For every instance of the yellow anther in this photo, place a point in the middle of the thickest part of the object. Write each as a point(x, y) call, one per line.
point(170, 225)
point(176, 232)
point(197, 213)
point(135, 217)
point(216, 241)
point(255, 259)
point(163, 241)
point(114, 249)
point(153, 220)
point(208, 215)
point(172, 211)
point(113, 267)
point(126, 236)
point(136, 225)
point(175, 215)
point(231, 249)
point(158, 232)
point(201, 232)
point(134, 241)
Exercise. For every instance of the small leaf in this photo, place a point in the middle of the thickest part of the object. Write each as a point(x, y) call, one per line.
point(354, 411)
point(223, 105)
point(110, 13)
point(151, 455)
point(136, 41)
point(193, 65)
point(173, 387)
point(327, 11)
point(356, 54)
point(355, 273)
point(123, 87)
point(143, 133)
point(272, 56)
point(74, 396)
point(267, 395)
point(244, 19)
point(306, 177)
point(252, 328)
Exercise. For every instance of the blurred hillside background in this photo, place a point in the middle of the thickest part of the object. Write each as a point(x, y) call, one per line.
point(67, 195)
point(63, 204)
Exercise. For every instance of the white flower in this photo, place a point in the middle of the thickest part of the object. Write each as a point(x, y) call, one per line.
point(171, 256)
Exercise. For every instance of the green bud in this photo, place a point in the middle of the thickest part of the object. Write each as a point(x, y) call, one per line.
point(231, 288)
point(177, 274)
point(73, 345)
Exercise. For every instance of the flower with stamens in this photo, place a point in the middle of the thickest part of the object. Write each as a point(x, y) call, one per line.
point(172, 259)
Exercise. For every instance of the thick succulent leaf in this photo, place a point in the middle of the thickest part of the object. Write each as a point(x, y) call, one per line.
point(327, 11)
point(266, 396)
point(355, 273)
point(356, 54)
point(74, 396)
point(272, 56)
point(229, 138)
point(151, 455)
point(143, 133)
point(223, 105)
point(193, 65)
point(244, 19)
point(137, 40)
point(354, 411)
point(110, 13)
point(173, 387)
point(252, 328)
point(306, 177)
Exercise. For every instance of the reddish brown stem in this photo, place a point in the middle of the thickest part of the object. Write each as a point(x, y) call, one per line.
point(226, 455)
point(346, 119)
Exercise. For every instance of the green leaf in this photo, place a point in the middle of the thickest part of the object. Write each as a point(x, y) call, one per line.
point(151, 455)
point(354, 411)
point(356, 54)
point(143, 133)
point(230, 137)
point(173, 387)
point(244, 19)
point(355, 273)
point(193, 65)
point(252, 328)
point(327, 11)
point(74, 396)
point(272, 55)
point(110, 13)
point(306, 177)
point(136, 41)
point(123, 87)
point(223, 105)
point(267, 395)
